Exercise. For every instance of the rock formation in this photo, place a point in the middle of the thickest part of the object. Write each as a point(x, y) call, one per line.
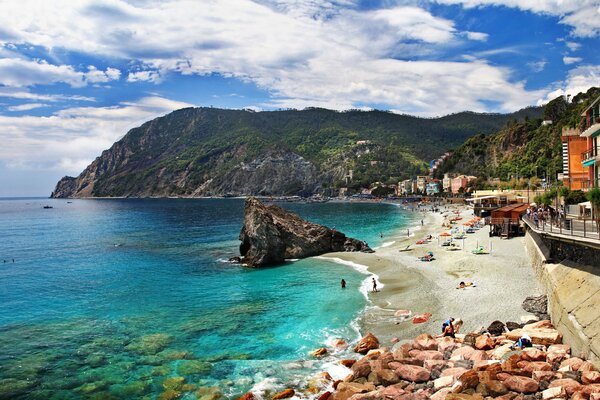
point(448, 368)
point(271, 235)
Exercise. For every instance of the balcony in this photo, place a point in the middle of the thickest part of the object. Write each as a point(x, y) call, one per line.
point(592, 129)
point(589, 157)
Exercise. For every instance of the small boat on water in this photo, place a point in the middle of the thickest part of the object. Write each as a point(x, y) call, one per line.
point(48, 207)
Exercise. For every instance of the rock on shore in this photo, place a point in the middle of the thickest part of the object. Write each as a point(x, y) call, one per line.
point(451, 369)
point(271, 235)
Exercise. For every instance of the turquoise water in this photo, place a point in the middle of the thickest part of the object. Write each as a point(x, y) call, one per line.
point(133, 299)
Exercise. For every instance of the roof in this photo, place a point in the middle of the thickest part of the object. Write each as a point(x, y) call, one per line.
point(481, 198)
point(590, 106)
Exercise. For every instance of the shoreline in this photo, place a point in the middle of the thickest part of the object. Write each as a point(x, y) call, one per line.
point(502, 279)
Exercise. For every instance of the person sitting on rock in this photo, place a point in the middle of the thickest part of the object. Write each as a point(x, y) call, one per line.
point(524, 341)
point(447, 329)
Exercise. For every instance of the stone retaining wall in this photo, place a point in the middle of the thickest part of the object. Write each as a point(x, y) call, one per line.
point(573, 292)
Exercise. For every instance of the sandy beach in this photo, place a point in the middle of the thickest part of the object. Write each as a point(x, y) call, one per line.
point(502, 280)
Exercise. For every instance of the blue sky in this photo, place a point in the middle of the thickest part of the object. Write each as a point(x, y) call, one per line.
point(76, 75)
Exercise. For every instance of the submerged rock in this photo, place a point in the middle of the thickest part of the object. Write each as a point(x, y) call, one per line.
point(271, 235)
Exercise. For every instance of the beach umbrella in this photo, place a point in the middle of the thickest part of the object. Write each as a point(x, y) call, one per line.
point(445, 234)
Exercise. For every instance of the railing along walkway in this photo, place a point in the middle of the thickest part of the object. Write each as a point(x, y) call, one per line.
point(568, 227)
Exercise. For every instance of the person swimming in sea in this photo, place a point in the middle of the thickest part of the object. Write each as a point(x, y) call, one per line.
point(343, 284)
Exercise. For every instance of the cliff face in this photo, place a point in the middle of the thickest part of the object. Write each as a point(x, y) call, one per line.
point(213, 152)
point(271, 235)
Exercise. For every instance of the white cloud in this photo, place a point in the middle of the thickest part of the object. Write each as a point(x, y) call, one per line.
point(573, 46)
point(479, 36)
point(579, 80)
point(583, 16)
point(144, 76)
point(26, 107)
point(71, 138)
point(18, 72)
point(94, 75)
point(571, 60)
point(302, 52)
point(19, 93)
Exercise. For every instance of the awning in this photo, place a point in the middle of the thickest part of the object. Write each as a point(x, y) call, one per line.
point(481, 198)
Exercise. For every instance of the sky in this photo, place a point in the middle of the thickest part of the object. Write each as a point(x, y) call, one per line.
point(76, 75)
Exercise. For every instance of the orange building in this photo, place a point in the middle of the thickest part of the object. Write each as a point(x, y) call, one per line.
point(575, 175)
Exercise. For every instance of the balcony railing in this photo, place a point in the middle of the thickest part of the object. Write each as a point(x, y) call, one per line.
point(590, 127)
point(589, 154)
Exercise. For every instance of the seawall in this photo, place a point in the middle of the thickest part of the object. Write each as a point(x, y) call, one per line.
point(573, 289)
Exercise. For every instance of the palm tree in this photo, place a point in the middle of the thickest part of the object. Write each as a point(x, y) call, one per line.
point(594, 197)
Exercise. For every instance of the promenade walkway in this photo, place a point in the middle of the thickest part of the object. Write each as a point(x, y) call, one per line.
point(586, 230)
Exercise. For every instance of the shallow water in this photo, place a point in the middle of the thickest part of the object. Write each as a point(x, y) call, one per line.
point(132, 299)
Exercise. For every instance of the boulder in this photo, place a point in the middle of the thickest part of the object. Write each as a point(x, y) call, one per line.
point(340, 344)
point(286, 394)
point(462, 353)
point(412, 373)
point(345, 390)
point(325, 396)
point(369, 342)
point(570, 385)
point(539, 335)
point(589, 377)
point(319, 352)
point(247, 396)
point(587, 390)
point(441, 394)
point(484, 342)
point(270, 235)
point(537, 305)
point(425, 342)
point(587, 366)
point(469, 379)
point(361, 369)
point(443, 382)
point(533, 354)
point(554, 393)
point(542, 375)
point(446, 344)
point(521, 384)
point(464, 396)
point(435, 364)
point(386, 377)
point(496, 328)
point(429, 355)
point(454, 372)
point(530, 366)
point(393, 391)
point(347, 363)
point(573, 363)
point(495, 388)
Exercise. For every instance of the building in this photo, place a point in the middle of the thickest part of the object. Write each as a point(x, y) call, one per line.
point(406, 187)
point(421, 183)
point(591, 130)
point(447, 182)
point(574, 175)
point(461, 183)
point(432, 188)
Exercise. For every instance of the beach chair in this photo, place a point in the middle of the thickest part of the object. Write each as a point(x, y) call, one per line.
point(407, 248)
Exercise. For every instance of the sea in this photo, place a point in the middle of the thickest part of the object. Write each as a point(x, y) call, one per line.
point(135, 298)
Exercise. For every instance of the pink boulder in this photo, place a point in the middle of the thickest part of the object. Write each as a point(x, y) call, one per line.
point(521, 384)
point(484, 342)
point(589, 377)
point(425, 342)
point(369, 342)
point(412, 373)
point(455, 372)
point(570, 385)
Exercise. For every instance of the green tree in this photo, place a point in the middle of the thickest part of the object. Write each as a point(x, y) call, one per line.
point(594, 197)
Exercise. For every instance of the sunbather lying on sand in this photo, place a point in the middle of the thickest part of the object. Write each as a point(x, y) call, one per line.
point(464, 285)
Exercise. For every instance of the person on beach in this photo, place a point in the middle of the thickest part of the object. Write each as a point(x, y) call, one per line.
point(343, 284)
point(524, 341)
point(448, 329)
point(375, 285)
point(421, 222)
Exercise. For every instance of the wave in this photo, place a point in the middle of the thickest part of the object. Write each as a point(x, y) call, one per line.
point(363, 269)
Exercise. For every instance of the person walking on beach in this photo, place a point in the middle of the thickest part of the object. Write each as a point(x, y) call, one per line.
point(375, 285)
point(343, 284)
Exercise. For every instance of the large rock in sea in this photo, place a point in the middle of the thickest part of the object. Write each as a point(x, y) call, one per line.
point(271, 235)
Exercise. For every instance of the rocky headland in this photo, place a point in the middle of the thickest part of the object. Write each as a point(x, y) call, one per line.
point(270, 235)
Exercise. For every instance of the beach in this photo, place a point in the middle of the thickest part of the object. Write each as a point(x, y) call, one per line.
point(501, 279)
